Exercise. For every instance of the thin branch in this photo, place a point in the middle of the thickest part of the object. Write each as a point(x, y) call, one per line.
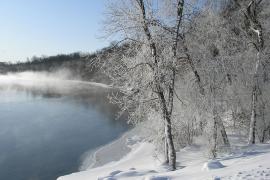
point(179, 98)
point(141, 64)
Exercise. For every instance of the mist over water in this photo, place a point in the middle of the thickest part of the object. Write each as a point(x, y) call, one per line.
point(48, 121)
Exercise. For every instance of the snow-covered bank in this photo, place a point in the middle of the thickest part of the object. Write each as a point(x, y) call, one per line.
point(141, 157)
point(114, 151)
point(144, 163)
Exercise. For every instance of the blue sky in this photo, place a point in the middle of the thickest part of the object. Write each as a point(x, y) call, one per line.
point(49, 27)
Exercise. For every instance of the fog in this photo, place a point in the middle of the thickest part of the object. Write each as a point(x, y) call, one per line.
point(60, 81)
point(57, 84)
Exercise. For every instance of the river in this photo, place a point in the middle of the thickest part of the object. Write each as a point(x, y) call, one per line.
point(47, 126)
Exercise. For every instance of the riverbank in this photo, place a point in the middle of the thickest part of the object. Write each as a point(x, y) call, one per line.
point(111, 152)
point(144, 163)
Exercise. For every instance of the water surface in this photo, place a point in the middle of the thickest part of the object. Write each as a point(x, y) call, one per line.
point(45, 128)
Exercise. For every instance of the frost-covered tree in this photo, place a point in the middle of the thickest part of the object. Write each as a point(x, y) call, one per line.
point(146, 77)
point(250, 18)
point(209, 47)
point(191, 69)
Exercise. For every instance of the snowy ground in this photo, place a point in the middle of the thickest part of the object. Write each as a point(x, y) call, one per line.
point(144, 163)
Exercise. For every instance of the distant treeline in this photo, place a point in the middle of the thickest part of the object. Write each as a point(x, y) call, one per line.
point(80, 64)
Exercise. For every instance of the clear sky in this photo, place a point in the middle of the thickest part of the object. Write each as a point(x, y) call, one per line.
point(49, 27)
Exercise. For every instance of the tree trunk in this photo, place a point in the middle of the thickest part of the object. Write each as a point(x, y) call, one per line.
point(214, 145)
point(218, 124)
point(269, 131)
point(223, 131)
point(168, 130)
point(171, 149)
point(195, 72)
point(263, 136)
point(166, 151)
point(252, 126)
point(234, 119)
point(262, 139)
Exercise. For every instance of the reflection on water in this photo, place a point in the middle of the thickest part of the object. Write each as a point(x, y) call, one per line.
point(46, 127)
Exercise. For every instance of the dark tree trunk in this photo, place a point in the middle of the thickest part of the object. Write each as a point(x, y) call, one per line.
point(223, 132)
point(262, 140)
point(166, 151)
point(252, 127)
point(214, 145)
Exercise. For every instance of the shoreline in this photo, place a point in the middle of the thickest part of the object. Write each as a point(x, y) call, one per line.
point(109, 153)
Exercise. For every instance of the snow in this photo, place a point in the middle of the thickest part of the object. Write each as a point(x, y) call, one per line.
point(143, 162)
point(212, 164)
point(138, 162)
point(110, 152)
